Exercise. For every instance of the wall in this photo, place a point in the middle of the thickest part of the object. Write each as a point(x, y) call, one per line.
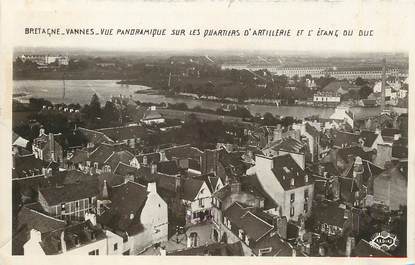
point(154, 218)
point(111, 240)
point(298, 203)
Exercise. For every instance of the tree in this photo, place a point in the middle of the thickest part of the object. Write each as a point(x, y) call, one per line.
point(94, 109)
point(360, 81)
point(365, 91)
point(110, 113)
point(269, 119)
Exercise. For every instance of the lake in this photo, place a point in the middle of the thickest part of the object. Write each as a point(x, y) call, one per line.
point(81, 91)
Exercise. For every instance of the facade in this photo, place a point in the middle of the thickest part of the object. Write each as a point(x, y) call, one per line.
point(326, 98)
point(197, 199)
point(136, 213)
point(47, 148)
point(85, 238)
point(69, 202)
point(286, 183)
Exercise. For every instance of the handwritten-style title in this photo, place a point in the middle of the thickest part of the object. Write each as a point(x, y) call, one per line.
point(198, 32)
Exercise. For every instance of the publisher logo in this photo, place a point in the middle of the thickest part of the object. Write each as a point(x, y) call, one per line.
point(385, 241)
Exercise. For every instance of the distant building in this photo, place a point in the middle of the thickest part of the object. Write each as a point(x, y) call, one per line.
point(44, 60)
point(326, 98)
point(152, 116)
point(343, 115)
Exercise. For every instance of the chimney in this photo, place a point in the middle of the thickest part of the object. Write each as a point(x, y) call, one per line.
point(335, 188)
point(153, 168)
point(162, 156)
point(350, 244)
point(52, 146)
point(35, 236)
point(105, 190)
point(152, 188)
point(280, 222)
point(277, 134)
point(63, 242)
point(41, 131)
point(91, 217)
point(163, 251)
point(358, 170)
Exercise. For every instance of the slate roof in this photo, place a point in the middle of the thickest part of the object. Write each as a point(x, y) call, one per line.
point(121, 209)
point(288, 144)
point(51, 240)
point(311, 130)
point(251, 184)
point(119, 157)
point(151, 158)
point(334, 86)
point(345, 138)
point(285, 168)
point(93, 136)
point(364, 249)
point(69, 193)
point(191, 188)
point(329, 213)
point(79, 156)
point(168, 167)
point(278, 247)
point(369, 137)
point(183, 151)
point(210, 179)
point(28, 165)
point(28, 219)
point(124, 133)
point(390, 132)
point(253, 226)
point(151, 115)
point(123, 169)
point(101, 153)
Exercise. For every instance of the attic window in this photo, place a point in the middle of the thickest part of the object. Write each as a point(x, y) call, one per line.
point(265, 250)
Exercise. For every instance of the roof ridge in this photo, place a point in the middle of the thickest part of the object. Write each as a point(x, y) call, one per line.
point(113, 152)
point(45, 215)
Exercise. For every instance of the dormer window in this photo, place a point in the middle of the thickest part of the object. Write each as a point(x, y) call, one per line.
point(292, 182)
point(306, 178)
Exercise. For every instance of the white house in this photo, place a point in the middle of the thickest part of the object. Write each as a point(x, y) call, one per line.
point(197, 198)
point(286, 183)
point(135, 212)
point(343, 113)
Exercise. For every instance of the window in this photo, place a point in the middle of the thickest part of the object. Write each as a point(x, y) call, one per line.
point(306, 195)
point(62, 207)
point(90, 200)
point(201, 203)
point(96, 165)
point(292, 182)
point(94, 252)
point(292, 211)
point(115, 246)
point(305, 207)
point(76, 204)
point(306, 178)
point(264, 251)
point(292, 197)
